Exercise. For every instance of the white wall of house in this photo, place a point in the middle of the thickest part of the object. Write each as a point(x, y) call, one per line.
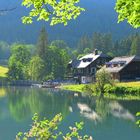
point(86, 79)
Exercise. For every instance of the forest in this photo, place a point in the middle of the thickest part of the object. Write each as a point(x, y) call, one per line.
point(48, 59)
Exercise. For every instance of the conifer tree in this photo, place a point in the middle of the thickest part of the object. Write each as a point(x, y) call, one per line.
point(135, 47)
point(42, 44)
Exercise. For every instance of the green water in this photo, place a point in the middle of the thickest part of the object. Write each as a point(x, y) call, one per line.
point(104, 119)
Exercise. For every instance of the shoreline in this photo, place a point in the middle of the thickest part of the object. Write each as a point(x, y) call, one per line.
point(127, 91)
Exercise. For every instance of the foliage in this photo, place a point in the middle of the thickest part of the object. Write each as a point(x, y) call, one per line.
point(135, 47)
point(56, 61)
point(122, 90)
point(36, 68)
point(84, 43)
point(3, 71)
point(62, 11)
point(129, 10)
point(138, 121)
point(102, 78)
point(18, 62)
point(55, 11)
point(46, 130)
point(42, 44)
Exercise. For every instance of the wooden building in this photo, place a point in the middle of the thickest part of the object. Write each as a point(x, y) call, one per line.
point(83, 70)
point(124, 68)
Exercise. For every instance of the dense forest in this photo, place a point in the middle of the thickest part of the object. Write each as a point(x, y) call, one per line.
point(30, 54)
point(99, 16)
point(48, 59)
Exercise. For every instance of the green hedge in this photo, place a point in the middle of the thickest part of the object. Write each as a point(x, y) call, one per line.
point(121, 90)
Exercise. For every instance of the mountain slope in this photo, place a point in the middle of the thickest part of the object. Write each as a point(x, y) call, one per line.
point(98, 17)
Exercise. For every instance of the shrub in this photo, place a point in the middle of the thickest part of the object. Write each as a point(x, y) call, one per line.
point(138, 121)
point(47, 130)
point(121, 90)
point(102, 78)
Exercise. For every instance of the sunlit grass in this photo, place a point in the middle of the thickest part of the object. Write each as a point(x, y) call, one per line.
point(129, 84)
point(3, 71)
point(78, 88)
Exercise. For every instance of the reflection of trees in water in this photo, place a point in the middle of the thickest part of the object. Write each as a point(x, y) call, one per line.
point(2, 92)
point(102, 107)
point(23, 103)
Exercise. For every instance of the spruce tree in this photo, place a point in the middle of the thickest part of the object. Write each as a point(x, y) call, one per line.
point(135, 47)
point(42, 44)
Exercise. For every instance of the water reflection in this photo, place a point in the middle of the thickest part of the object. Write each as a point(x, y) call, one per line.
point(2, 92)
point(117, 110)
point(102, 117)
point(103, 109)
point(23, 103)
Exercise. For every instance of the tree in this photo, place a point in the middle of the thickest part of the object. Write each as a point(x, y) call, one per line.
point(42, 44)
point(83, 43)
point(129, 10)
point(102, 42)
point(18, 62)
point(135, 47)
point(55, 11)
point(61, 11)
point(60, 44)
point(56, 61)
point(48, 129)
point(103, 77)
point(36, 68)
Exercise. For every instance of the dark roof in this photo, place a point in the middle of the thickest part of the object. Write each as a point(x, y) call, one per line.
point(120, 62)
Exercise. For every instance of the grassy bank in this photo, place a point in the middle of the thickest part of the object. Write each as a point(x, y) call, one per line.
point(76, 88)
point(3, 72)
point(122, 91)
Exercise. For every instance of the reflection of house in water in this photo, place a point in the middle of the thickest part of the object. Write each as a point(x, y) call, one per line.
point(88, 113)
point(84, 69)
point(124, 68)
point(114, 108)
point(118, 111)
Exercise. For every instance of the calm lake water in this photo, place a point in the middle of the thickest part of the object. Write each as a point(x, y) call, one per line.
point(104, 119)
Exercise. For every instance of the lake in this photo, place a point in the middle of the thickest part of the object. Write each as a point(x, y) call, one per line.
point(103, 119)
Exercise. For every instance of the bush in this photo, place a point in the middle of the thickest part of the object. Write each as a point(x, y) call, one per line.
point(121, 90)
point(102, 78)
point(138, 121)
point(47, 130)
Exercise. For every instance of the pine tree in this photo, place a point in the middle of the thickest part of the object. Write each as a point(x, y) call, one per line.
point(135, 47)
point(42, 44)
point(83, 43)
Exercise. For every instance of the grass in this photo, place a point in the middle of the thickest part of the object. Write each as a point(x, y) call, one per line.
point(3, 71)
point(77, 88)
point(129, 84)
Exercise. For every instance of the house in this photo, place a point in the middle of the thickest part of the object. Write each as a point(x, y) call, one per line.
point(126, 68)
point(83, 70)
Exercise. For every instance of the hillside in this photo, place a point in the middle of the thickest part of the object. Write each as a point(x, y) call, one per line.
point(98, 17)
